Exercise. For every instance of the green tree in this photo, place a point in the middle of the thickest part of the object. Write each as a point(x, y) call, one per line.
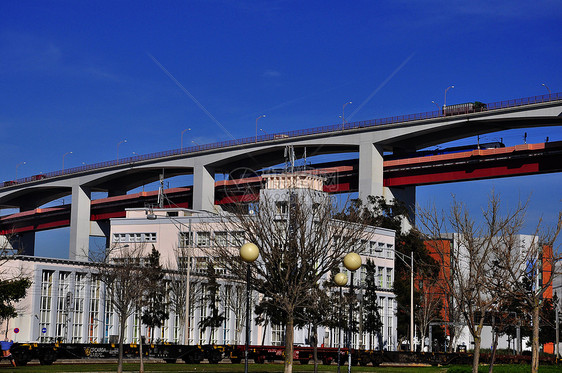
point(372, 322)
point(391, 214)
point(12, 288)
point(155, 305)
point(11, 291)
point(215, 318)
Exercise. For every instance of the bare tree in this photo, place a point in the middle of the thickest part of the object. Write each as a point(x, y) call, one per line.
point(530, 268)
point(471, 257)
point(299, 242)
point(430, 306)
point(182, 283)
point(120, 269)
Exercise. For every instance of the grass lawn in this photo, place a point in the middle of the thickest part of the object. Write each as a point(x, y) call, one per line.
point(262, 368)
point(207, 368)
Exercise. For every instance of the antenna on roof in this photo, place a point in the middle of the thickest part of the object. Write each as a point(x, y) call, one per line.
point(161, 191)
point(289, 158)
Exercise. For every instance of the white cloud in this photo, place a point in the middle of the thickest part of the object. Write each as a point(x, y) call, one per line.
point(271, 73)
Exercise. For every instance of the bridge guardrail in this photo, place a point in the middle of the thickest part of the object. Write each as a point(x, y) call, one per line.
point(285, 135)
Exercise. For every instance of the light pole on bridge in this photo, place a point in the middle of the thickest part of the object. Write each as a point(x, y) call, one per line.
point(445, 99)
point(119, 143)
point(438, 109)
point(548, 89)
point(343, 114)
point(261, 116)
point(181, 143)
point(19, 164)
point(64, 155)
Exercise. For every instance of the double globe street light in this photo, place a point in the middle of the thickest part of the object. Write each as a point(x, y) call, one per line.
point(341, 280)
point(352, 262)
point(249, 252)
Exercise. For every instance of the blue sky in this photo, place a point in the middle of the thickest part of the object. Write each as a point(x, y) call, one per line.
point(81, 77)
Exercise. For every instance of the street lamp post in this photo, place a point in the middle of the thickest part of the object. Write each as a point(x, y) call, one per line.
point(445, 99)
point(249, 252)
point(343, 115)
point(19, 164)
point(181, 141)
point(557, 331)
point(119, 143)
point(64, 155)
point(341, 280)
point(438, 109)
point(548, 89)
point(352, 262)
point(261, 116)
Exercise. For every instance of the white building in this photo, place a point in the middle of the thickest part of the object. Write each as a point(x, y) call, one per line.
point(66, 302)
point(523, 242)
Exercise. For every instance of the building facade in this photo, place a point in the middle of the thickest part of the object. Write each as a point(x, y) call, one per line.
point(68, 302)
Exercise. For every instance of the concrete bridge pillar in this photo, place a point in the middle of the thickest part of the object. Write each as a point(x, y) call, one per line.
point(80, 223)
point(203, 188)
point(370, 170)
point(371, 181)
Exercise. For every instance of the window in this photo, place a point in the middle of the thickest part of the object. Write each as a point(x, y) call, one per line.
point(93, 321)
point(108, 321)
point(221, 239)
point(364, 246)
point(45, 305)
point(79, 295)
point(277, 338)
point(237, 239)
point(64, 306)
point(134, 237)
point(379, 276)
point(226, 314)
point(201, 264)
point(281, 208)
point(186, 239)
point(372, 248)
point(204, 239)
point(389, 278)
point(203, 311)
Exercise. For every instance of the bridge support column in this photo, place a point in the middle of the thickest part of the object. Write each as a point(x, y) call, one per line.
point(370, 170)
point(80, 223)
point(203, 188)
point(408, 196)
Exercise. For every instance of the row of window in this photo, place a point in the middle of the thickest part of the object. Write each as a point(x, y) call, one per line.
point(205, 239)
point(383, 278)
point(134, 237)
point(373, 248)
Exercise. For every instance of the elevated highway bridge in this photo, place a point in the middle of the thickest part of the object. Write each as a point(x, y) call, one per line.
point(370, 139)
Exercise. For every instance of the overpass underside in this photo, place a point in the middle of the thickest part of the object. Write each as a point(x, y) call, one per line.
point(400, 176)
point(369, 139)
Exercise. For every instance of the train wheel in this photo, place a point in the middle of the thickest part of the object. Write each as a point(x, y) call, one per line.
point(235, 360)
point(304, 361)
point(215, 357)
point(364, 360)
point(170, 361)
